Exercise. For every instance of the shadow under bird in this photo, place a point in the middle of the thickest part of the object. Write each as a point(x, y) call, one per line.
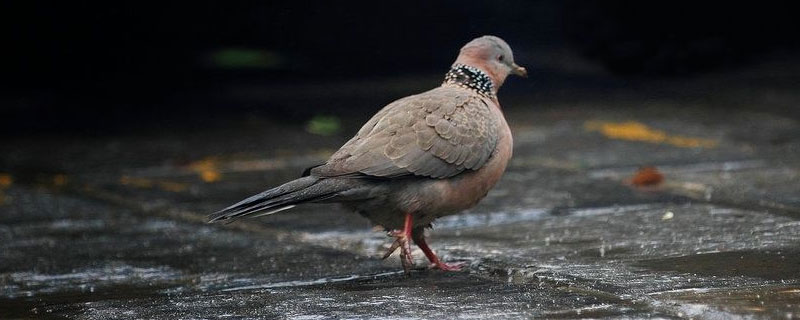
point(419, 158)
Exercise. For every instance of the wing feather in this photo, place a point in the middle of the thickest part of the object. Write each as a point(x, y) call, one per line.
point(438, 134)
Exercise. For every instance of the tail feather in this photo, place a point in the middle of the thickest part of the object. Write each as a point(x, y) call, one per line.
point(305, 189)
point(272, 211)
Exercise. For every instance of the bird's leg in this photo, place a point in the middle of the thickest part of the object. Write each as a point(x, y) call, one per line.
point(401, 241)
point(419, 238)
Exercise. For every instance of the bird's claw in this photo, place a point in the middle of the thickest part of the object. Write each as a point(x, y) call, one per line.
point(402, 242)
point(456, 266)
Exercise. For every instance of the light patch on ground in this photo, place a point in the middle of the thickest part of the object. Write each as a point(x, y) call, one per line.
point(207, 170)
point(637, 131)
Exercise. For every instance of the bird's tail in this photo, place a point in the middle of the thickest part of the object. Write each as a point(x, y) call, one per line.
point(285, 196)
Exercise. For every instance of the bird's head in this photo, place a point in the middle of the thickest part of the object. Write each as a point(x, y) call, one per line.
point(492, 55)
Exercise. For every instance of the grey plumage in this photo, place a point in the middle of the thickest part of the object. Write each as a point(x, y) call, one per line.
point(305, 189)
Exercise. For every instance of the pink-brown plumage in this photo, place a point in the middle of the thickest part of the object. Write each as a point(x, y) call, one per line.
point(419, 158)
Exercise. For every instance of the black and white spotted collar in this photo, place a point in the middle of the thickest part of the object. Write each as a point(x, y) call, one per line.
point(469, 77)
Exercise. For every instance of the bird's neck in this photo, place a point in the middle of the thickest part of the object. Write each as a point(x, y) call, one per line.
point(471, 78)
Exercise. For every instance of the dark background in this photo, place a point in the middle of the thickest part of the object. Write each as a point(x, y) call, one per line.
point(93, 67)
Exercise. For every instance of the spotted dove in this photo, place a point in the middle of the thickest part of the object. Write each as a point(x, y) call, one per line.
point(419, 158)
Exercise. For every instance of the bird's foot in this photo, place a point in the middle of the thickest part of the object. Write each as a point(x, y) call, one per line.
point(436, 263)
point(403, 243)
point(455, 266)
point(402, 240)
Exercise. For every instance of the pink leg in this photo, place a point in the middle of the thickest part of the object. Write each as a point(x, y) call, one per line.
point(402, 241)
point(419, 239)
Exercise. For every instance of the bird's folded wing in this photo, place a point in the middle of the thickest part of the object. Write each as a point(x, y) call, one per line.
point(437, 134)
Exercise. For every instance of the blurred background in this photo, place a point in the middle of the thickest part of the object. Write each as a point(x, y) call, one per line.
point(655, 170)
point(98, 67)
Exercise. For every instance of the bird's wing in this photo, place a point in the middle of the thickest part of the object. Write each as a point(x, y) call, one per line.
point(436, 134)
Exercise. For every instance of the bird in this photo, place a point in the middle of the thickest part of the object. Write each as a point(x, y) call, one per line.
point(419, 158)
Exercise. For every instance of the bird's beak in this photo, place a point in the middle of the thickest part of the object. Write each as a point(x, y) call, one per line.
point(520, 71)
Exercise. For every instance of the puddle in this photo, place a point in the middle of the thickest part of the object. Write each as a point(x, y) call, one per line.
point(503, 218)
point(770, 265)
point(23, 284)
point(69, 304)
point(322, 281)
point(490, 219)
point(593, 311)
point(761, 301)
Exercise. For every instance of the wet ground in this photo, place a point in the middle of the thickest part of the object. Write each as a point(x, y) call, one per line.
point(114, 226)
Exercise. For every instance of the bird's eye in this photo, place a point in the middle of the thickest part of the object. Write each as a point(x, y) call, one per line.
point(500, 58)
